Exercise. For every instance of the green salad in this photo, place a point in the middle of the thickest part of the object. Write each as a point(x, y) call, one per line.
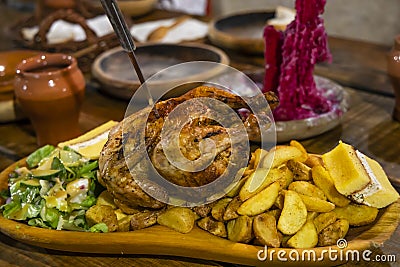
point(54, 190)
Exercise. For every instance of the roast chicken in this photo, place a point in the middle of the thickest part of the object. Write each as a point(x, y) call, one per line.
point(136, 140)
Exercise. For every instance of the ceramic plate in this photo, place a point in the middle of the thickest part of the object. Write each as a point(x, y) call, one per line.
point(159, 240)
point(131, 8)
point(297, 129)
point(302, 129)
point(117, 76)
point(242, 32)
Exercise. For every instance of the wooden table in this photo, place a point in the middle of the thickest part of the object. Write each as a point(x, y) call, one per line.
point(368, 126)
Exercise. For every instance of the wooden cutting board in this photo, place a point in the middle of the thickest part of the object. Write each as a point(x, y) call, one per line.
point(159, 240)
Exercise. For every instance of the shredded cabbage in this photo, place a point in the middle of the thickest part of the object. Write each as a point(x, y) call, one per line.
point(303, 44)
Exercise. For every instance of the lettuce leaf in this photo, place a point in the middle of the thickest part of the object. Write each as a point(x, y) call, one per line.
point(99, 228)
point(35, 157)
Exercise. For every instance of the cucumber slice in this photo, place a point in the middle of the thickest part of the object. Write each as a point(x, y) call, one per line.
point(69, 158)
point(31, 182)
point(45, 164)
point(33, 159)
point(44, 174)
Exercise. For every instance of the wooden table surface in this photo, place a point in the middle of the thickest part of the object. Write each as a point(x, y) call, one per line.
point(368, 125)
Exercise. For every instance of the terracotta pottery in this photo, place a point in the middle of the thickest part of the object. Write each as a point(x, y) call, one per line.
point(393, 70)
point(50, 89)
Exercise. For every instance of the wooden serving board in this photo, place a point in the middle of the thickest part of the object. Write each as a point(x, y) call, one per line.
point(159, 240)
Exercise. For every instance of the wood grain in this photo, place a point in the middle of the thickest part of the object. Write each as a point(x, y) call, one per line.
point(345, 66)
point(367, 125)
point(160, 240)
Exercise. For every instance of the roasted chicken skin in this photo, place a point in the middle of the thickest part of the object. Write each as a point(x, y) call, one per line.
point(124, 147)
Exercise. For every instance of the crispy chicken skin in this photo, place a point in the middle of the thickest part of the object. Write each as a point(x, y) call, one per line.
point(124, 147)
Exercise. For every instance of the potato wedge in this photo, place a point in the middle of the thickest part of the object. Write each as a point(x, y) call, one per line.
point(311, 215)
point(301, 172)
point(265, 231)
point(247, 172)
point(293, 215)
point(240, 229)
point(102, 214)
point(284, 239)
point(124, 224)
point(124, 221)
point(323, 180)
point(212, 226)
point(127, 209)
point(323, 220)
point(280, 200)
point(298, 145)
point(231, 209)
point(314, 160)
point(254, 184)
point(306, 237)
point(357, 215)
point(203, 210)
point(235, 189)
point(284, 176)
point(262, 178)
point(105, 198)
point(308, 189)
point(280, 155)
point(275, 213)
point(256, 158)
point(317, 204)
point(260, 202)
point(144, 219)
point(218, 209)
point(179, 219)
point(333, 232)
point(120, 214)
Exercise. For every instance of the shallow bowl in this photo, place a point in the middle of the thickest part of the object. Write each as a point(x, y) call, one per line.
point(131, 8)
point(116, 75)
point(242, 32)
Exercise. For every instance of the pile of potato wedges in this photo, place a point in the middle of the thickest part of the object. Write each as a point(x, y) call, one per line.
point(285, 198)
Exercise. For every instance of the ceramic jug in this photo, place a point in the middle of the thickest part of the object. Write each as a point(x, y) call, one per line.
point(50, 89)
point(393, 70)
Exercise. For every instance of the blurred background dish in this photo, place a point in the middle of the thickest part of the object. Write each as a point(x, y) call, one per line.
point(310, 127)
point(130, 8)
point(114, 71)
point(135, 8)
point(242, 31)
point(298, 129)
point(9, 60)
point(8, 63)
point(174, 30)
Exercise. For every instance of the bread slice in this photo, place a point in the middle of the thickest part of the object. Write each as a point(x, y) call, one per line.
point(384, 196)
point(91, 143)
point(359, 177)
point(345, 168)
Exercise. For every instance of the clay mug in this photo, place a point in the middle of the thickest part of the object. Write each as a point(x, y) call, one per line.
point(393, 70)
point(50, 89)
